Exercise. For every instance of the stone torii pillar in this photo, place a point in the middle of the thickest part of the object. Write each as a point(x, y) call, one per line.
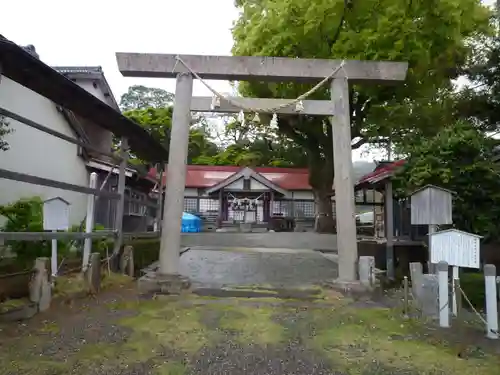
point(261, 69)
point(176, 176)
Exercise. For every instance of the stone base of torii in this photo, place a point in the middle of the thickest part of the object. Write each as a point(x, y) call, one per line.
point(187, 67)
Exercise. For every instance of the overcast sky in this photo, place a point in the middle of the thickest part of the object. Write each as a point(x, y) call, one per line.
point(88, 33)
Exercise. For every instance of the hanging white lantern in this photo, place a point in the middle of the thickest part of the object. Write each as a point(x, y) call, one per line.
point(241, 117)
point(274, 121)
point(215, 102)
point(256, 118)
point(299, 107)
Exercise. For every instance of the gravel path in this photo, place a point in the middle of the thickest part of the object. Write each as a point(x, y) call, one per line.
point(120, 333)
point(292, 268)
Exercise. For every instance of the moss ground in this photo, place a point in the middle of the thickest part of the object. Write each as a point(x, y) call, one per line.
point(175, 335)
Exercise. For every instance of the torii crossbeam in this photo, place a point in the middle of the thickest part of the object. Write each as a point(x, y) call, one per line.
point(185, 67)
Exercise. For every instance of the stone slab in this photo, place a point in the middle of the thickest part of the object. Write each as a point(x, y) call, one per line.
point(366, 268)
point(284, 240)
point(154, 282)
point(243, 68)
point(416, 273)
point(354, 289)
point(428, 300)
point(20, 313)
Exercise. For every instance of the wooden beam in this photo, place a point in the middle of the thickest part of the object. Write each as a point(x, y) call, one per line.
point(311, 107)
point(242, 68)
point(389, 228)
point(40, 236)
point(35, 180)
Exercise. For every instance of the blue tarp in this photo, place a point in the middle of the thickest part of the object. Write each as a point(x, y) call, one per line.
point(190, 223)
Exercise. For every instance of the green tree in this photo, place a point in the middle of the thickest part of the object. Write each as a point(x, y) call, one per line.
point(152, 109)
point(253, 144)
point(431, 35)
point(459, 158)
point(142, 97)
point(479, 101)
point(158, 123)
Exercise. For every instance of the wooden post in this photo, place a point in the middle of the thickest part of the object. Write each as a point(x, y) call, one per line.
point(389, 230)
point(431, 268)
point(176, 176)
point(444, 305)
point(53, 260)
point(159, 204)
point(121, 190)
point(127, 261)
point(40, 288)
point(458, 296)
point(89, 222)
point(92, 276)
point(406, 297)
point(344, 186)
point(455, 296)
point(220, 214)
point(490, 287)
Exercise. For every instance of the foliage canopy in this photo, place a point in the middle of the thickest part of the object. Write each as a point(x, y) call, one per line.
point(431, 35)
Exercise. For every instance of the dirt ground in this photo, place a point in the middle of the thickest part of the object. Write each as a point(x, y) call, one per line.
point(120, 332)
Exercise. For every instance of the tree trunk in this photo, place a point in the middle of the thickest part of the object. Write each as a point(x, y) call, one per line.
point(321, 181)
point(324, 222)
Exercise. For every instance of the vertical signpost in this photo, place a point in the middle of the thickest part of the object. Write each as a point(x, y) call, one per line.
point(55, 217)
point(432, 206)
point(457, 249)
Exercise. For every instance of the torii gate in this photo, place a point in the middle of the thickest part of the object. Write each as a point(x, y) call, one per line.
point(184, 68)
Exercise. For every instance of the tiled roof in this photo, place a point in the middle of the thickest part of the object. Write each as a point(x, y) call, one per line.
point(21, 66)
point(78, 69)
point(204, 176)
point(89, 72)
point(381, 173)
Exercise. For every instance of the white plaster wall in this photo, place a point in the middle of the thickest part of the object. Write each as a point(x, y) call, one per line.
point(191, 192)
point(302, 195)
point(88, 85)
point(256, 185)
point(37, 153)
point(236, 185)
point(99, 137)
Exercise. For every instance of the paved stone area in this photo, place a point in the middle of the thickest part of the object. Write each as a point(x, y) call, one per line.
point(247, 266)
point(288, 240)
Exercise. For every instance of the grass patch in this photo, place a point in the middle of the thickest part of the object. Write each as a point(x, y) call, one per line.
point(39, 367)
point(252, 324)
point(168, 332)
point(49, 327)
point(363, 339)
point(170, 368)
point(13, 304)
point(74, 284)
point(167, 325)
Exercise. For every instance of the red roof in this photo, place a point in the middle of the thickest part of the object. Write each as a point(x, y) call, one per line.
point(381, 173)
point(204, 176)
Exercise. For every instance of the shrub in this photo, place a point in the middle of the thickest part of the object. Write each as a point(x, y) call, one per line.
point(26, 215)
point(146, 251)
point(472, 284)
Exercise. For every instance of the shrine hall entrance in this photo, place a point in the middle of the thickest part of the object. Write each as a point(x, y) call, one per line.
point(246, 197)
